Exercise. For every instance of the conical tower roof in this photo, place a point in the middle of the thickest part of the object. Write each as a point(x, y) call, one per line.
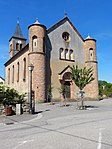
point(18, 32)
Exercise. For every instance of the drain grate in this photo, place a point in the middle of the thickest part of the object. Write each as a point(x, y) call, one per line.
point(11, 123)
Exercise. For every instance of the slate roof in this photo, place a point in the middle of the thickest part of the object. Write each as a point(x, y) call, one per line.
point(18, 33)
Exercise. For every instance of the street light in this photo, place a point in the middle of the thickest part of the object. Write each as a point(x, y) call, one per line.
point(30, 67)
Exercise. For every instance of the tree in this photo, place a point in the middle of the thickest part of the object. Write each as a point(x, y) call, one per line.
point(81, 78)
point(105, 88)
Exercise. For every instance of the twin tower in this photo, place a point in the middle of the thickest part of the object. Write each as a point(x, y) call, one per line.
point(22, 55)
point(37, 57)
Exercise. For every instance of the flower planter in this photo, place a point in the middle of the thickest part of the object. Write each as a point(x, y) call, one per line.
point(8, 110)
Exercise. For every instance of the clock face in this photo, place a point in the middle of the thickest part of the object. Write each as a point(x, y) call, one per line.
point(19, 41)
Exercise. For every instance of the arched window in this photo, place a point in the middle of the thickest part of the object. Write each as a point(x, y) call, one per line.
point(66, 54)
point(20, 46)
point(9, 76)
point(71, 56)
point(34, 42)
point(13, 74)
point(24, 69)
point(44, 44)
point(61, 53)
point(18, 71)
point(10, 47)
point(91, 54)
point(17, 46)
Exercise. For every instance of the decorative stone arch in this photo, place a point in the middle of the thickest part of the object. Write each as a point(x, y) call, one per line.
point(66, 76)
point(65, 79)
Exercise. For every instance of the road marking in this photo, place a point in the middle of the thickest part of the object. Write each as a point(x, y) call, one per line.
point(100, 138)
point(22, 143)
point(99, 141)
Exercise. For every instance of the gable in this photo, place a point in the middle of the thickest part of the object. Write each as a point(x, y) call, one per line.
point(54, 27)
point(55, 41)
point(64, 73)
point(67, 69)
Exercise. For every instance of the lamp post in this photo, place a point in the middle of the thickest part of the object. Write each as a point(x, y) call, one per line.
point(30, 67)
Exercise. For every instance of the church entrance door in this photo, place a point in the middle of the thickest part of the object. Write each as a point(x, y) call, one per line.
point(67, 85)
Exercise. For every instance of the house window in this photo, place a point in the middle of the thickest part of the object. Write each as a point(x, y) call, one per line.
point(66, 54)
point(9, 76)
point(61, 53)
point(18, 71)
point(13, 74)
point(34, 42)
point(71, 55)
point(24, 69)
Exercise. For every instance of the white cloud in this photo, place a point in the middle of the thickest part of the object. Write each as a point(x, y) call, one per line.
point(103, 35)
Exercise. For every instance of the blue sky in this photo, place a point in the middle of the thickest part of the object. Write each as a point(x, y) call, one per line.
point(91, 17)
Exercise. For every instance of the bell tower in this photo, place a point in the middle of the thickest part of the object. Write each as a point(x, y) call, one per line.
point(37, 57)
point(17, 41)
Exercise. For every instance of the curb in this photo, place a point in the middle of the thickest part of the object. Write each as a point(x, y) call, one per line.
point(39, 116)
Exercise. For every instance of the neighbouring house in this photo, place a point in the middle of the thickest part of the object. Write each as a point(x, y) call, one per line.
point(2, 80)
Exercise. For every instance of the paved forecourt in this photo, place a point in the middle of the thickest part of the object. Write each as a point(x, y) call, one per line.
point(62, 127)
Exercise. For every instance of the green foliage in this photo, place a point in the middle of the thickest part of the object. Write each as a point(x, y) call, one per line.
point(49, 92)
point(2, 89)
point(105, 88)
point(62, 89)
point(81, 77)
point(49, 89)
point(9, 96)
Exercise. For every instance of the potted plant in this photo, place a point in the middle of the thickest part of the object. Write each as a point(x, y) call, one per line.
point(10, 97)
point(9, 100)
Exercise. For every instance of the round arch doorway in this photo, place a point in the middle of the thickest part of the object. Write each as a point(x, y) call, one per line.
point(66, 80)
point(68, 89)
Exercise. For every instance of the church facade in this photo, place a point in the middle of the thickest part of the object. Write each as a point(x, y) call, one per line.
point(51, 51)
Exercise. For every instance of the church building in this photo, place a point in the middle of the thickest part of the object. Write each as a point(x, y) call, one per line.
point(51, 52)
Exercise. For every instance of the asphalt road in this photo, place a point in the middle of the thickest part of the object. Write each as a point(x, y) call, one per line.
point(57, 127)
